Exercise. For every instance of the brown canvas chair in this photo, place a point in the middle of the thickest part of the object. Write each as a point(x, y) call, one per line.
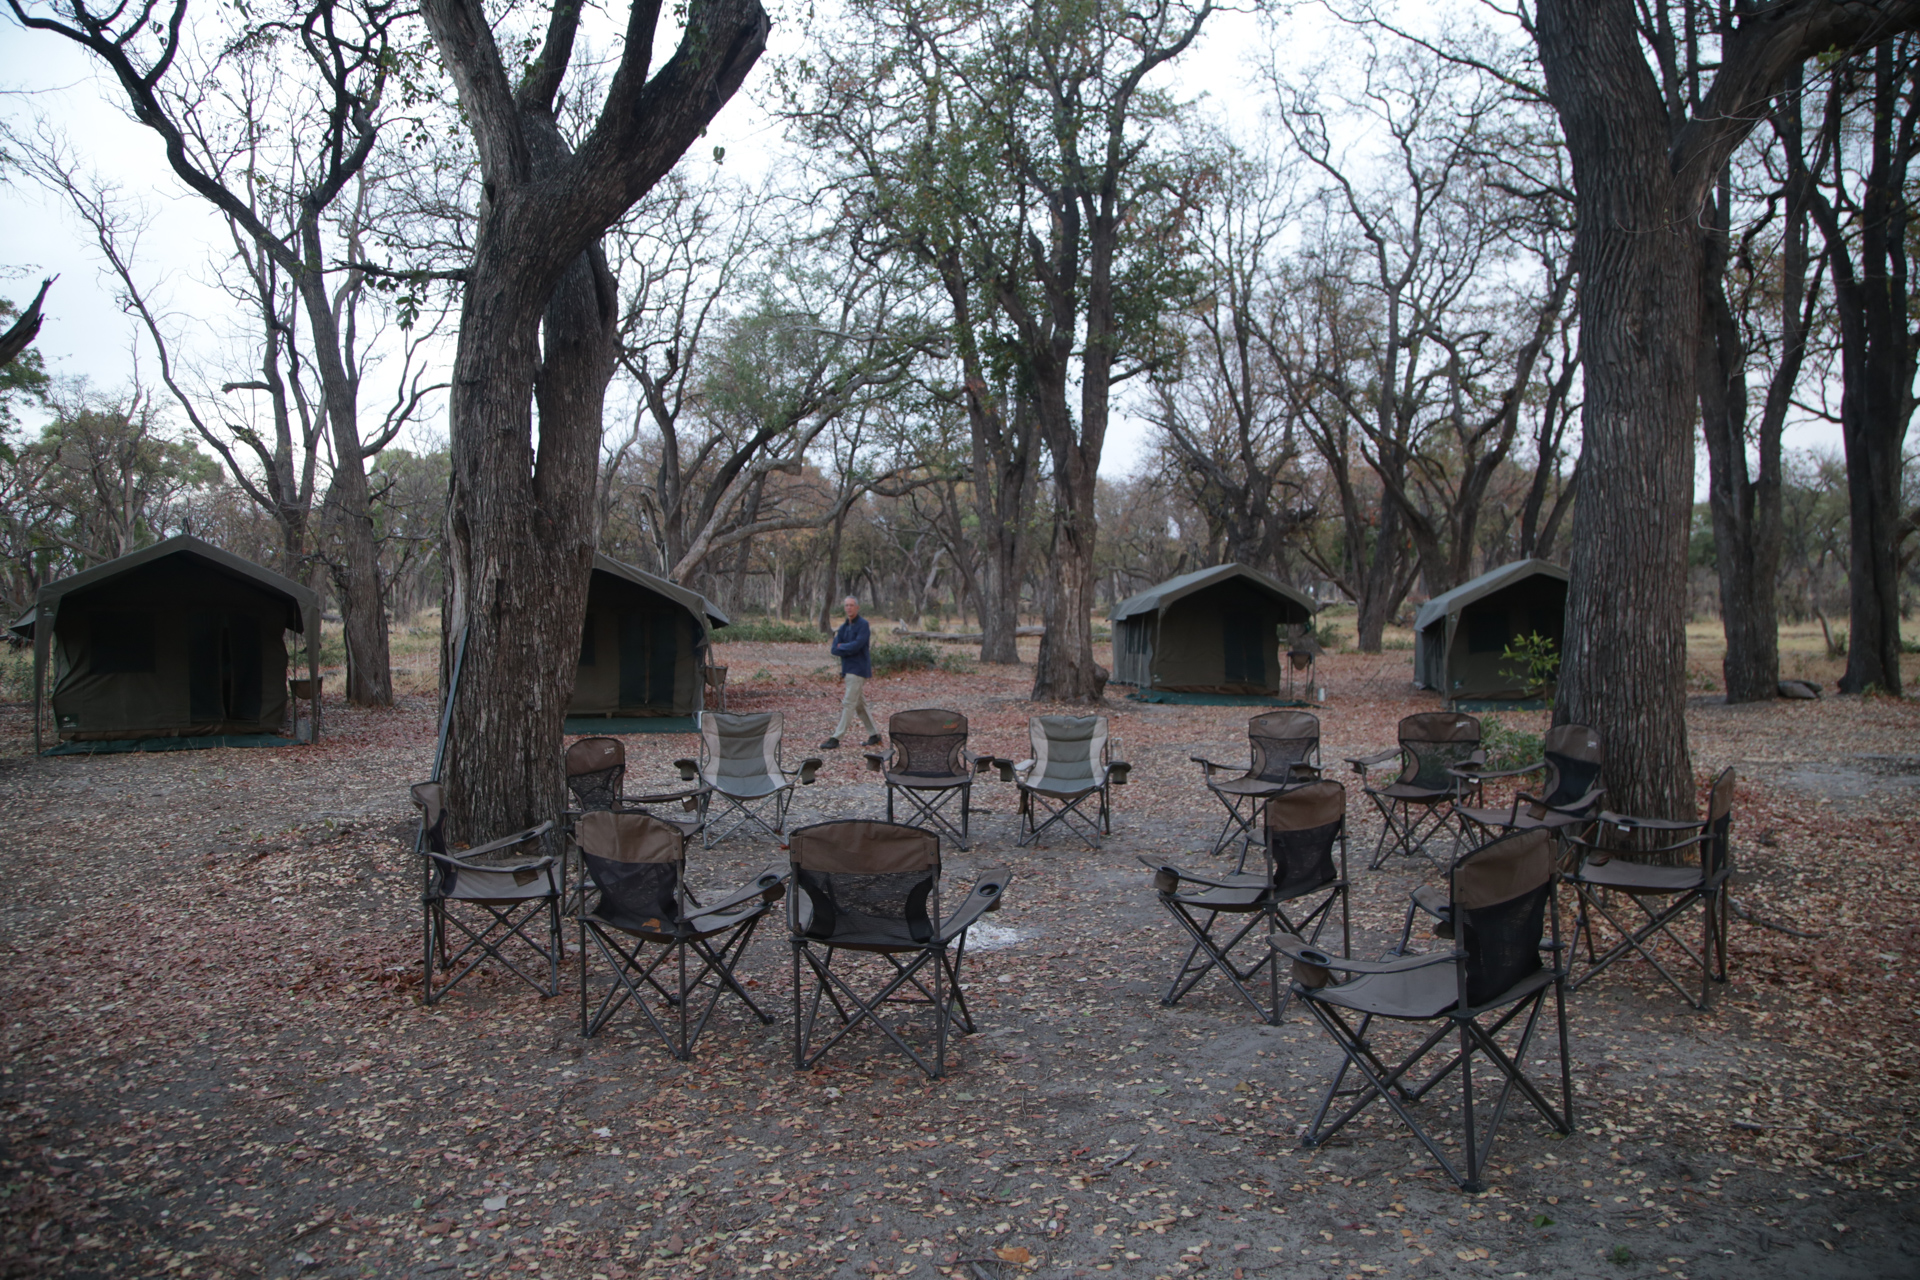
point(1568, 794)
point(646, 917)
point(873, 888)
point(1626, 863)
point(1305, 825)
point(1438, 752)
point(928, 765)
point(483, 898)
point(1485, 993)
point(596, 770)
point(1285, 746)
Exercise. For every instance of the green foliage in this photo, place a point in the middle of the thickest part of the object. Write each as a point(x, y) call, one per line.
point(1507, 748)
point(1621, 1255)
point(1534, 660)
point(891, 656)
point(958, 664)
point(23, 379)
point(770, 631)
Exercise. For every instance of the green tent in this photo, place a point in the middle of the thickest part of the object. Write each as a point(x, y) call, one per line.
point(1460, 635)
point(176, 640)
point(1212, 631)
point(643, 645)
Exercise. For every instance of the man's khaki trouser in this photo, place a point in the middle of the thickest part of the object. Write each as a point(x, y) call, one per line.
point(854, 704)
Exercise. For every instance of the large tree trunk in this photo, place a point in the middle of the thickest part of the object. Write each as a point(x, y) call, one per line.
point(1624, 665)
point(1066, 671)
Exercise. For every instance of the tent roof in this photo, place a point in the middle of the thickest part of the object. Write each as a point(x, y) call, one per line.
point(202, 553)
point(1449, 603)
point(1156, 598)
point(692, 601)
point(22, 626)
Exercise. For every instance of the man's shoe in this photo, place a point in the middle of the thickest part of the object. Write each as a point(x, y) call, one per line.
point(873, 740)
point(831, 744)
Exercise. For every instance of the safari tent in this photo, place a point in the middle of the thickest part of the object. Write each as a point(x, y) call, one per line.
point(1460, 635)
point(1213, 631)
point(643, 646)
point(180, 640)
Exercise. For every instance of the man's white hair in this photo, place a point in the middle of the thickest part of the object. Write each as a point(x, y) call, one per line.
point(851, 600)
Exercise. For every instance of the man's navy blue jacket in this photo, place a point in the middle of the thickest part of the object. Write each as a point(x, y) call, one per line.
point(850, 642)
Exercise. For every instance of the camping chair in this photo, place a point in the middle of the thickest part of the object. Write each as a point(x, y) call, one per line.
point(639, 864)
point(1568, 795)
point(1070, 768)
point(874, 887)
point(929, 767)
point(1689, 863)
point(1489, 983)
point(596, 775)
point(1285, 746)
point(1439, 752)
point(482, 898)
point(1304, 824)
point(740, 764)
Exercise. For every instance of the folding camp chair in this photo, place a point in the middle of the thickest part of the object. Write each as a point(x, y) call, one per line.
point(1304, 824)
point(740, 765)
point(1630, 860)
point(1438, 751)
point(1285, 746)
point(596, 771)
point(1069, 769)
point(1489, 984)
point(483, 897)
point(639, 864)
point(1568, 795)
point(874, 887)
point(929, 767)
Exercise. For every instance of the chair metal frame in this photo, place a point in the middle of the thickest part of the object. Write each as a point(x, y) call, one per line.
point(929, 793)
point(743, 810)
point(1062, 804)
point(690, 934)
point(1262, 898)
point(829, 848)
point(1603, 871)
point(496, 884)
point(1263, 777)
point(1478, 1028)
point(1413, 810)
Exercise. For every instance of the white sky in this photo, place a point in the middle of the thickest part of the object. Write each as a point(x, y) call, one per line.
point(86, 333)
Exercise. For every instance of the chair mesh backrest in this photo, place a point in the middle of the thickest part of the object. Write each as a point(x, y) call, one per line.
point(596, 772)
point(1433, 742)
point(636, 862)
point(432, 799)
point(867, 878)
point(927, 742)
point(1574, 759)
point(1302, 826)
point(1280, 740)
point(1716, 846)
point(742, 748)
point(1066, 749)
point(1500, 895)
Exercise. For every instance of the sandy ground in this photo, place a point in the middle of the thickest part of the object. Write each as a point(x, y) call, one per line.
point(216, 1062)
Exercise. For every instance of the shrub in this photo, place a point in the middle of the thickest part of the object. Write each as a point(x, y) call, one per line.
point(1534, 660)
point(958, 664)
point(903, 655)
point(1507, 748)
point(771, 630)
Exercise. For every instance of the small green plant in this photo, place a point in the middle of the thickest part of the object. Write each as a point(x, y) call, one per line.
point(1542, 1221)
point(958, 664)
point(1534, 660)
point(771, 631)
point(1506, 747)
point(1620, 1256)
point(904, 655)
point(1327, 635)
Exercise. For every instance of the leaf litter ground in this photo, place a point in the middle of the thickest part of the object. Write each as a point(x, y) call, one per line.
point(216, 1063)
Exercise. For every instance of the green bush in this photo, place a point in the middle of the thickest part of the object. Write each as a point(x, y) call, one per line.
point(1533, 659)
point(1507, 748)
point(771, 630)
point(904, 655)
point(958, 664)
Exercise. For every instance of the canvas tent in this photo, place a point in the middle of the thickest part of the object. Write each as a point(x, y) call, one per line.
point(643, 645)
point(1213, 631)
point(1459, 635)
point(176, 640)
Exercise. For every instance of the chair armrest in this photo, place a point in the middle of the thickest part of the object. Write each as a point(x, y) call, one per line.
point(1208, 765)
point(663, 797)
point(1484, 774)
point(689, 769)
point(809, 768)
point(1005, 766)
point(1117, 772)
point(1575, 808)
point(876, 760)
point(770, 885)
point(493, 846)
point(1472, 767)
point(1162, 872)
point(1294, 949)
point(976, 763)
point(1627, 822)
point(1363, 763)
point(1301, 767)
point(984, 897)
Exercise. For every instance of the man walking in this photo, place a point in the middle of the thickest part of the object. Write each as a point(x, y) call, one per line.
point(852, 642)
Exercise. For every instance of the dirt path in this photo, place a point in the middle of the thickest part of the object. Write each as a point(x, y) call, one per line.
point(215, 1062)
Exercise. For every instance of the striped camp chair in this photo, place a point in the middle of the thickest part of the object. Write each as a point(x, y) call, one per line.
point(739, 768)
point(1070, 770)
